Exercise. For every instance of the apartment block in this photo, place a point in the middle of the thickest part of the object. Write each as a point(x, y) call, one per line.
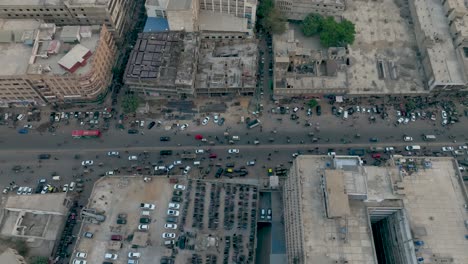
point(239, 8)
point(117, 15)
point(299, 9)
point(50, 64)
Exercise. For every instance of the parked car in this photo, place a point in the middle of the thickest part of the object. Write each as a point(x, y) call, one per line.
point(134, 255)
point(233, 151)
point(174, 206)
point(133, 157)
point(110, 256)
point(87, 162)
point(447, 148)
point(81, 255)
point(172, 212)
point(113, 153)
point(132, 131)
point(407, 139)
point(184, 126)
point(143, 227)
point(168, 235)
point(147, 206)
point(205, 121)
point(179, 187)
point(151, 124)
point(170, 226)
point(79, 261)
point(88, 234)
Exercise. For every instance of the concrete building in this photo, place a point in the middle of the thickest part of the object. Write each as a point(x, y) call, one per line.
point(229, 18)
point(183, 15)
point(117, 15)
point(441, 35)
point(37, 218)
point(11, 256)
point(227, 67)
point(299, 9)
point(163, 64)
point(51, 64)
point(411, 210)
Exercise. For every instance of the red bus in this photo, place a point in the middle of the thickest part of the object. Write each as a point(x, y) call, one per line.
point(86, 133)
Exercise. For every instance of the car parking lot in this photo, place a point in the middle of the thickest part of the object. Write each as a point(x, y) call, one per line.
point(127, 203)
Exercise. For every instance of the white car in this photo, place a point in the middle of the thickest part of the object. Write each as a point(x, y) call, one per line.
point(205, 121)
point(168, 235)
point(174, 206)
point(172, 212)
point(79, 261)
point(463, 147)
point(389, 149)
point(444, 114)
point(459, 152)
point(216, 119)
point(251, 163)
point(112, 153)
point(232, 151)
point(184, 126)
point(177, 162)
point(187, 169)
point(132, 157)
point(81, 255)
point(199, 151)
point(406, 121)
point(143, 227)
point(447, 148)
point(65, 188)
point(87, 162)
point(179, 187)
point(110, 256)
point(407, 139)
point(110, 173)
point(358, 109)
point(400, 120)
point(147, 206)
point(134, 255)
point(295, 154)
point(170, 226)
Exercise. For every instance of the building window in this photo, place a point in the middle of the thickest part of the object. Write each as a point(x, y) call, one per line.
point(465, 52)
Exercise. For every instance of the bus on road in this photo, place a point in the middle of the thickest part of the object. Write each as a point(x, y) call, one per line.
point(86, 133)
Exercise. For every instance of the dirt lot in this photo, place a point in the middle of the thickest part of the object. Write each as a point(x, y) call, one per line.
point(123, 195)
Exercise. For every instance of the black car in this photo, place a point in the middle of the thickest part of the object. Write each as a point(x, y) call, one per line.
point(164, 139)
point(145, 220)
point(221, 121)
point(219, 172)
point(133, 131)
point(334, 110)
point(44, 156)
point(374, 139)
point(176, 199)
point(151, 125)
point(318, 109)
point(165, 152)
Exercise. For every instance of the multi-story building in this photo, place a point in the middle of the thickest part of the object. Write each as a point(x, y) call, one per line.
point(338, 211)
point(49, 64)
point(163, 64)
point(299, 9)
point(117, 15)
point(221, 19)
point(441, 30)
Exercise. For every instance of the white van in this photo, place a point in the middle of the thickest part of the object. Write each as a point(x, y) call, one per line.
point(415, 147)
point(196, 163)
point(345, 115)
point(429, 137)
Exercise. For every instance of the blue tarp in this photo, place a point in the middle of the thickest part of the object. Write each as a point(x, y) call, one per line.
point(156, 24)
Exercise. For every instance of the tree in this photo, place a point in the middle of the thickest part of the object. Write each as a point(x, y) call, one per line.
point(39, 260)
point(332, 33)
point(270, 18)
point(312, 103)
point(275, 22)
point(312, 24)
point(130, 103)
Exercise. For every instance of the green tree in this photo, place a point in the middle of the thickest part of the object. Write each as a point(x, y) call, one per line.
point(130, 103)
point(312, 103)
point(312, 24)
point(275, 22)
point(270, 18)
point(39, 260)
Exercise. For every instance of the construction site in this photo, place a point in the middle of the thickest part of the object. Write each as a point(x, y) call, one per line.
point(411, 210)
point(227, 67)
point(163, 64)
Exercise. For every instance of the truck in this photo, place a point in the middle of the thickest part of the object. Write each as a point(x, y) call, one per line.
point(357, 152)
point(429, 137)
point(188, 156)
point(253, 123)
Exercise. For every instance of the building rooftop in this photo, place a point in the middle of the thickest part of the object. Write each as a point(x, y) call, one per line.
point(429, 202)
point(227, 64)
point(175, 5)
point(165, 58)
point(53, 203)
point(36, 48)
point(442, 55)
point(30, 2)
point(212, 21)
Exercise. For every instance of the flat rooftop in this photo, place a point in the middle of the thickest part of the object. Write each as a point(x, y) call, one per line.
point(433, 201)
point(443, 59)
point(30, 2)
point(29, 47)
point(227, 64)
point(51, 203)
point(175, 5)
point(211, 21)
